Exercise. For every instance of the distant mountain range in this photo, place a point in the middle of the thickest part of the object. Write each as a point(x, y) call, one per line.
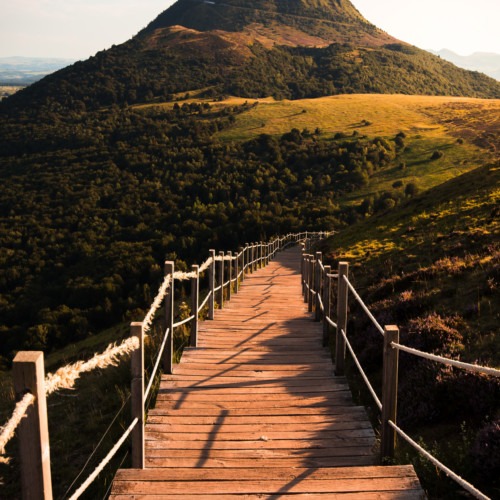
point(485, 62)
point(21, 71)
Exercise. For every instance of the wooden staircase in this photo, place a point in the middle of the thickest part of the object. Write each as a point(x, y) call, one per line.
point(256, 412)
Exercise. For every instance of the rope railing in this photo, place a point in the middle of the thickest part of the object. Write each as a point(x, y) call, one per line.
point(484, 370)
point(313, 280)
point(157, 364)
point(10, 427)
point(205, 302)
point(78, 493)
point(252, 256)
point(361, 371)
point(459, 480)
point(364, 306)
point(184, 321)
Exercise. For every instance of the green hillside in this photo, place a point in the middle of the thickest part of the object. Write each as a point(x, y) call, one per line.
point(432, 267)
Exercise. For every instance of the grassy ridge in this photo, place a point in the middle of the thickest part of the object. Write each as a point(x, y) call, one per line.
point(433, 268)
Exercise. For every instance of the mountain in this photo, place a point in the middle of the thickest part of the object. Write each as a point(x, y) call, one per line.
point(286, 49)
point(21, 71)
point(486, 62)
point(313, 23)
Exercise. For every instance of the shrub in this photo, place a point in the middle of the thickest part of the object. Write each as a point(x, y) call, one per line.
point(434, 333)
point(485, 452)
point(437, 155)
point(411, 189)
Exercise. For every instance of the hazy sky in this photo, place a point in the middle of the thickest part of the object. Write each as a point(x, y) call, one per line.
point(79, 28)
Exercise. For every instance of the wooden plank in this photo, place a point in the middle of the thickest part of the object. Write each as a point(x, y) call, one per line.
point(395, 471)
point(155, 433)
point(269, 487)
point(252, 419)
point(354, 459)
point(175, 442)
point(386, 495)
point(350, 412)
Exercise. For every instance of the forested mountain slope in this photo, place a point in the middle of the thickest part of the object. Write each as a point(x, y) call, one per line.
point(286, 49)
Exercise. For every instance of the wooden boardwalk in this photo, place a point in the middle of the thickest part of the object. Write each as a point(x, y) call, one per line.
point(256, 412)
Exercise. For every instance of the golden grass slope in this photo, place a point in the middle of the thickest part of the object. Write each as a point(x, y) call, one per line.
point(386, 114)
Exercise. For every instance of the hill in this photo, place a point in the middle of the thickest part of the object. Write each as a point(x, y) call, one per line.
point(432, 267)
point(291, 49)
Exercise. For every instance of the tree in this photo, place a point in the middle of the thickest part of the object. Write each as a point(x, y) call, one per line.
point(411, 189)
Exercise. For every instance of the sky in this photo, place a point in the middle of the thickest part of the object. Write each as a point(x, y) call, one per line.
point(77, 29)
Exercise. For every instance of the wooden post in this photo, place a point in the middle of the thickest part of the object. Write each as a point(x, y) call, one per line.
point(317, 287)
point(327, 287)
point(389, 392)
point(230, 273)
point(221, 280)
point(195, 298)
point(211, 286)
point(302, 270)
point(244, 262)
point(342, 297)
point(34, 446)
point(238, 269)
point(137, 397)
point(310, 302)
point(168, 353)
point(306, 277)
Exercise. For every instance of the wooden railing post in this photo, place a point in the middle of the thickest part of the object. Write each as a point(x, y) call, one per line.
point(327, 287)
point(137, 397)
point(342, 298)
point(230, 274)
point(302, 271)
point(317, 287)
point(244, 261)
point(237, 270)
point(306, 277)
point(34, 447)
point(310, 300)
point(250, 262)
point(221, 280)
point(211, 286)
point(168, 353)
point(389, 392)
point(195, 298)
